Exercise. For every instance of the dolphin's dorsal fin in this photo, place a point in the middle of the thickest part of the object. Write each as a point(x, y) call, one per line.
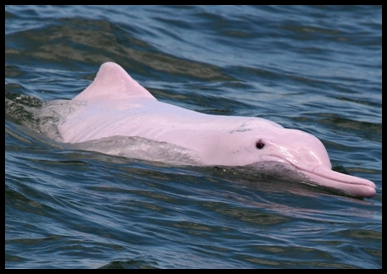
point(112, 81)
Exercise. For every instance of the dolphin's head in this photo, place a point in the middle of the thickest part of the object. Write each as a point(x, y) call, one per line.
point(302, 151)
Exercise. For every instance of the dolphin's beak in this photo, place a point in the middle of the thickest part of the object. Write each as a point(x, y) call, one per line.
point(350, 185)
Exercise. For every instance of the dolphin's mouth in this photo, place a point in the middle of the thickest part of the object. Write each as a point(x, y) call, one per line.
point(350, 185)
point(327, 178)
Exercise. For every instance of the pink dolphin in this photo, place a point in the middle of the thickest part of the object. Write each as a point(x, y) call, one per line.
point(115, 105)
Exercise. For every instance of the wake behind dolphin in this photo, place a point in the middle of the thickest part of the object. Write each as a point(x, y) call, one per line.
point(116, 115)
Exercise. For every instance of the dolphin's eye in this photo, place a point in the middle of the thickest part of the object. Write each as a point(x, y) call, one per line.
point(260, 144)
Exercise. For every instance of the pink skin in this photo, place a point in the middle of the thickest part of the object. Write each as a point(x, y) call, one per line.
point(116, 105)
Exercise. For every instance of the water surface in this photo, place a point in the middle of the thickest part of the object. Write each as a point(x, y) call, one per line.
point(315, 68)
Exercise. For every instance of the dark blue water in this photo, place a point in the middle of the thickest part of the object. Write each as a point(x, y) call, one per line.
point(315, 68)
